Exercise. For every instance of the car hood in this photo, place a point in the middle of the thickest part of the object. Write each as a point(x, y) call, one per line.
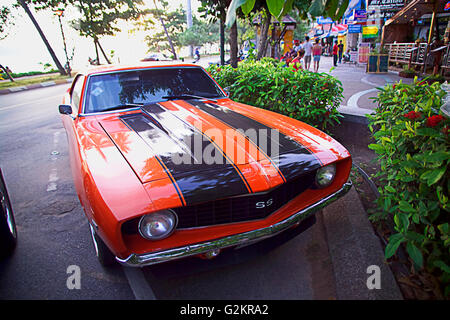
point(213, 149)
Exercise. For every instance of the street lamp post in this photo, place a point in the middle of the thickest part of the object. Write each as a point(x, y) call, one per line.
point(60, 13)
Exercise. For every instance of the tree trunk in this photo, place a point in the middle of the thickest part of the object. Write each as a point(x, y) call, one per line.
point(7, 73)
point(62, 71)
point(263, 39)
point(103, 52)
point(233, 45)
point(167, 34)
point(97, 62)
point(222, 41)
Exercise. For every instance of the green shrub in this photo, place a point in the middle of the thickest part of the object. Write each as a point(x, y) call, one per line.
point(412, 144)
point(25, 74)
point(303, 95)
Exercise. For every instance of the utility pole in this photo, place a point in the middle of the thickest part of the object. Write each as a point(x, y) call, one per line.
point(189, 23)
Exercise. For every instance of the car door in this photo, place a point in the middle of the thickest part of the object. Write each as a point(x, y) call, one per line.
point(71, 123)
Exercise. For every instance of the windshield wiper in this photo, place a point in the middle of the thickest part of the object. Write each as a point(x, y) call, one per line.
point(124, 106)
point(187, 96)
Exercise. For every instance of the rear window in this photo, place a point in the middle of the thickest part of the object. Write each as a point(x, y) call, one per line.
point(146, 86)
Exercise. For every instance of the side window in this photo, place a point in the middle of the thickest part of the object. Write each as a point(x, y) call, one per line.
point(76, 93)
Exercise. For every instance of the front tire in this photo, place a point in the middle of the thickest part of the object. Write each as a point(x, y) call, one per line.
point(104, 255)
point(8, 231)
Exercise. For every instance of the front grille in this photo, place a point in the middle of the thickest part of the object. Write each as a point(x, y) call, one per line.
point(235, 209)
point(243, 208)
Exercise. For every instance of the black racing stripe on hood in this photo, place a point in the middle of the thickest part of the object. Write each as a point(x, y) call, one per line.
point(169, 137)
point(291, 158)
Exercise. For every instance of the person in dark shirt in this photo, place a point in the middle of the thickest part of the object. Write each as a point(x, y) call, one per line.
point(335, 53)
point(341, 50)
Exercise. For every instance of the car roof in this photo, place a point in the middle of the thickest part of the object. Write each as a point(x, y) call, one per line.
point(136, 66)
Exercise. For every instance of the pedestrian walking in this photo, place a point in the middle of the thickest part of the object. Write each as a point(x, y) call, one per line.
point(340, 50)
point(316, 52)
point(335, 53)
point(307, 46)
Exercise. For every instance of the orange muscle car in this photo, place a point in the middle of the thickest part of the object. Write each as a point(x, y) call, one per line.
point(166, 166)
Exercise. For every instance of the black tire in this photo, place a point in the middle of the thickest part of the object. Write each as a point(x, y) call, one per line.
point(8, 230)
point(104, 255)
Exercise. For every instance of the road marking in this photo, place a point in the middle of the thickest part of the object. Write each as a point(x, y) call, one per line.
point(353, 101)
point(138, 284)
point(29, 102)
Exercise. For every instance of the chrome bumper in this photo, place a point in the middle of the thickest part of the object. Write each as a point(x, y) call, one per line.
point(141, 260)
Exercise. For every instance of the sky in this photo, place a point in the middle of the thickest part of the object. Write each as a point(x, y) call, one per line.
point(23, 50)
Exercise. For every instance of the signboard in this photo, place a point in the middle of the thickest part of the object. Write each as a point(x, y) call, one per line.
point(386, 5)
point(322, 20)
point(363, 52)
point(359, 15)
point(370, 31)
point(354, 28)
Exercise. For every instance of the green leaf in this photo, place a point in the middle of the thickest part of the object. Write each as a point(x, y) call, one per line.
point(390, 189)
point(377, 148)
point(317, 8)
point(433, 176)
point(275, 7)
point(406, 207)
point(415, 254)
point(442, 265)
point(231, 13)
point(394, 242)
point(247, 7)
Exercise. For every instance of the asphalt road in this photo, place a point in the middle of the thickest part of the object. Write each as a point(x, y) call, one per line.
point(54, 234)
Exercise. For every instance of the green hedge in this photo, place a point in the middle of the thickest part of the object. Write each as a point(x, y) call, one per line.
point(25, 74)
point(303, 95)
point(412, 144)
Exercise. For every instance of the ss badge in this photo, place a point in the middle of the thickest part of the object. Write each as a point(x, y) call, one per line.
point(264, 204)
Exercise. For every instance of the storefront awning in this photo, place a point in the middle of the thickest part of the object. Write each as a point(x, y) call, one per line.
point(415, 9)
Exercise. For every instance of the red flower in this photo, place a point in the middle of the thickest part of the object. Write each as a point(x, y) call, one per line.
point(218, 70)
point(393, 87)
point(421, 83)
point(295, 87)
point(412, 115)
point(285, 81)
point(434, 120)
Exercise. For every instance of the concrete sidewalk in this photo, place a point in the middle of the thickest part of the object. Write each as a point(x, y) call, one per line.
point(353, 248)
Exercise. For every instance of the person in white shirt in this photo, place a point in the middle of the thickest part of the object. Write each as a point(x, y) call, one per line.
point(297, 45)
point(307, 46)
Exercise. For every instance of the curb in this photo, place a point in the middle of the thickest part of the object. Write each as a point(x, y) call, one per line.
point(353, 248)
point(35, 86)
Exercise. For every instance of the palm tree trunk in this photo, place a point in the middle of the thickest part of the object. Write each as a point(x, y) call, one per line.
point(167, 33)
point(262, 46)
point(39, 30)
point(233, 45)
point(222, 41)
point(96, 52)
point(101, 49)
point(7, 73)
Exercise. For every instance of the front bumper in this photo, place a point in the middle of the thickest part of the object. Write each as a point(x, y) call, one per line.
point(141, 260)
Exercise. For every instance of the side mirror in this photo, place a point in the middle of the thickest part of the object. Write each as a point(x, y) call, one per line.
point(65, 109)
point(227, 91)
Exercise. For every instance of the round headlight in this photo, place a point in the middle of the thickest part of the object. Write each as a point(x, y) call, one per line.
point(325, 176)
point(158, 225)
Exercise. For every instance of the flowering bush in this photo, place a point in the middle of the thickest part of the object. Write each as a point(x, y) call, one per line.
point(304, 95)
point(412, 144)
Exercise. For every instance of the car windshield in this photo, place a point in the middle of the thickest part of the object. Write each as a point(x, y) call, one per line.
point(125, 88)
